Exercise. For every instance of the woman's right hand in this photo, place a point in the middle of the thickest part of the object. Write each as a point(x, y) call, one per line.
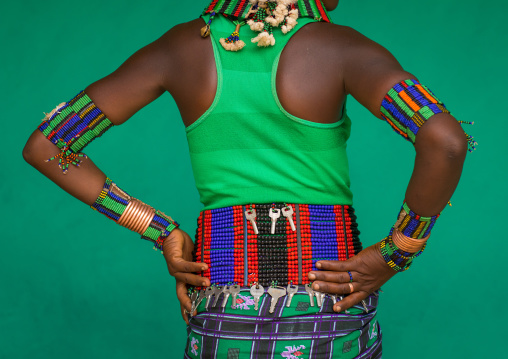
point(177, 250)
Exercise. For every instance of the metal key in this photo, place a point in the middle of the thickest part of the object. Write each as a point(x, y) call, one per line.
point(311, 294)
point(288, 213)
point(208, 295)
point(216, 291)
point(202, 295)
point(226, 292)
point(334, 298)
point(257, 291)
point(234, 290)
point(276, 293)
point(319, 298)
point(291, 291)
point(274, 215)
point(365, 306)
point(193, 297)
point(250, 214)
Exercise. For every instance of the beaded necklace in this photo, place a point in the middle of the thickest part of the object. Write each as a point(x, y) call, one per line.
point(262, 16)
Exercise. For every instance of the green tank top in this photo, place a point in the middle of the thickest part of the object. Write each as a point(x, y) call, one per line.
point(247, 149)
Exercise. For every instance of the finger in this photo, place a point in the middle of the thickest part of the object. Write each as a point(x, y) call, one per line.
point(329, 276)
point(181, 265)
point(181, 294)
point(335, 288)
point(336, 266)
point(184, 314)
point(349, 301)
point(192, 279)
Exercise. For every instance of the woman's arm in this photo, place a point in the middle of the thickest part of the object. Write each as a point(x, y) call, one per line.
point(136, 83)
point(441, 145)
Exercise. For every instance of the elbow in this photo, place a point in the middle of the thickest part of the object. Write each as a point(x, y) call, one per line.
point(33, 149)
point(456, 146)
point(444, 137)
point(28, 153)
point(452, 144)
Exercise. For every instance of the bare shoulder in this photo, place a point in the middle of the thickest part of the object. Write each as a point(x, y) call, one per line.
point(338, 38)
point(186, 55)
point(182, 36)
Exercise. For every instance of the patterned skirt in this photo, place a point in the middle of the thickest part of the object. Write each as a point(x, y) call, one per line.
point(282, 252)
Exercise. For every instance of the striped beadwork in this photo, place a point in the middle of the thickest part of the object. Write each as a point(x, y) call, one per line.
point(225, 240)
point(113, 201)
point(110, 203)
point(408, 105)
point(412, 225)
point(72, 127)
point(239, 8)
point(396, 258)
point(159, 229)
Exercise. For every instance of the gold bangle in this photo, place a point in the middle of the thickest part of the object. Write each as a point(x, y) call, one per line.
point(137, 216)
point(126, 214)
point(408, 244)
point(140, 221)
point(148, 221)
point(134, 209)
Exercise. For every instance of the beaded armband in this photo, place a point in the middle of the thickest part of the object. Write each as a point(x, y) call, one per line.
point(408, 105)
point(129, 212)
point(72, 126)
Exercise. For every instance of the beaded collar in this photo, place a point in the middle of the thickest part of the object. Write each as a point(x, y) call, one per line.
point(262, 16)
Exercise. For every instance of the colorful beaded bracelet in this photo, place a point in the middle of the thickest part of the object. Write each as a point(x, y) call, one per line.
point(411, 231)
point(129, 212)
point(412, 225)
point(397, 259)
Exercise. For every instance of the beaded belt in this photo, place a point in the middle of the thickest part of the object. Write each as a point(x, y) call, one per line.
point(273, 243)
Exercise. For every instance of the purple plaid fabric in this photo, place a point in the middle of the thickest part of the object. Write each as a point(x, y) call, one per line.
point(298, 331)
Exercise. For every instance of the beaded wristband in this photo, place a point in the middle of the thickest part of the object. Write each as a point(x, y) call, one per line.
point(397, 259)
point(412, 225)
point(407, 239)
point(131, 213)
point(72, 126)
point(408, 105)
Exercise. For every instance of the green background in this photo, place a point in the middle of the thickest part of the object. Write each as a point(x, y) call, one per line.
point(74, 285)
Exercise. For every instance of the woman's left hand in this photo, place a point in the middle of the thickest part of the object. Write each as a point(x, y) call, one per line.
point(369, 271)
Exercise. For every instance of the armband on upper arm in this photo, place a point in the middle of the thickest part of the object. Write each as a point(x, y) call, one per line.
point(408, 105)
point(72, 126)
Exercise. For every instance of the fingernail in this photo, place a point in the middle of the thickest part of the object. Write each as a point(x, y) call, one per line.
point(315, 286)
point(318, 265)
point(203, 284)
point(312, 276)
point(203, 269)
point(337, 308)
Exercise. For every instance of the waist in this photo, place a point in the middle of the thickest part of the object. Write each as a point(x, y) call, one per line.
point(273, 243)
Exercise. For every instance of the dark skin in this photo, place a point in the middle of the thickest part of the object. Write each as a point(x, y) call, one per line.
point(323, 61)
